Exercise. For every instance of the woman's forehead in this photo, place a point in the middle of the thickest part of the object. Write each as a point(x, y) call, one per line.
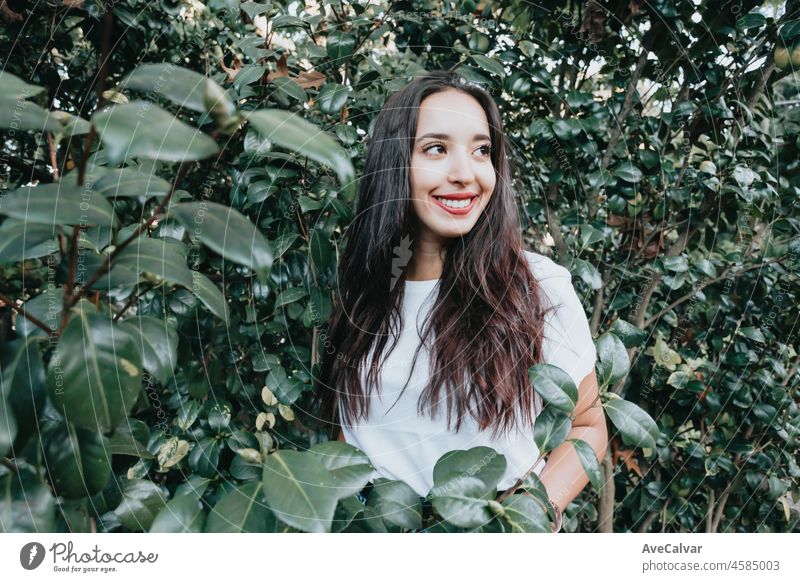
point(452, 113)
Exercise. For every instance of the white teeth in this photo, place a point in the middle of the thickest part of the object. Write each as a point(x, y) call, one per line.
point(455, 203)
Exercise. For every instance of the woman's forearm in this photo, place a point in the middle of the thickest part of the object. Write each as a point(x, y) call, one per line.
point(563, 474)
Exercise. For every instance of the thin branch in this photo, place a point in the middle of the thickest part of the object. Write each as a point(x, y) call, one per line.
point(696, 290)
point(106, 265)
point(21, 311)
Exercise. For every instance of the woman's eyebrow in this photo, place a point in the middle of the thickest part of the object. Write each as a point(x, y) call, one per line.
point(445, 136)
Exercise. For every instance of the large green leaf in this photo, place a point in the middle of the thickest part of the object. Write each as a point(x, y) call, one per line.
point(300, 490)
point(22, 382)
point(210, 295)
point(555, 386)
point(58, 203)
point(140, 129)
point(131, 183)
point(181, 86)
point(13, 87)
point(18, 114)
point(589, 462)
point(77, 460)
point(396, 503)
point(26, 503)
point(524, 515)
point(349, 466)
point(332, 98)
point(463, 502)
point(242, 510)
point(94, 376)
point(158, 257)
point(613, 358)
point(183, 514)
point(228, 232)
point(630, 335)
point(550, 429)
point(288, 130)
point(141, 501)
point(636, 427)
point(21, 241)
point(483, 463)
point(158, 342)
point(8, 427)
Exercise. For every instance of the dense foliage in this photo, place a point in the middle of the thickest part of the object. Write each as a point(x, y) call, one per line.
point(177, 178)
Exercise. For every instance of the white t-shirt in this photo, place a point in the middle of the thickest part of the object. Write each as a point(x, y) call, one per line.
point(404, 445)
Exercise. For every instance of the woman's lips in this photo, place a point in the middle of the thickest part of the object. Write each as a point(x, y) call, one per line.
point(457, 211)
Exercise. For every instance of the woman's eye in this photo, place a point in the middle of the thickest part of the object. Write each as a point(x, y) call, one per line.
point(486, 150)
point(432, 146)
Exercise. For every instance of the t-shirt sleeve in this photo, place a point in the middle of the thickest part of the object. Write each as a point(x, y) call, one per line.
point(567, 340)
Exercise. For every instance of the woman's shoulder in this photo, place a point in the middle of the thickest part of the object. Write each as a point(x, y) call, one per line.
point(544, 268)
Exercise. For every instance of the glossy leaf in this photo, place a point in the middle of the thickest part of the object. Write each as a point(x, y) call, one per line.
point(635, 426)
point(555, 386)
point(99, 376)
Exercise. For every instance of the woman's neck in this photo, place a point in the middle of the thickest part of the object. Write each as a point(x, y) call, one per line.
point(427, 260)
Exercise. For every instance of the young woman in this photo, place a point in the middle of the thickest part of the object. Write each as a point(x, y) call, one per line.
point(441, 312)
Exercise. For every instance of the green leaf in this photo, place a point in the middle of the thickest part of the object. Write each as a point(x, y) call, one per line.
point(463, 502)
point(26, 504)
point(21, 115)
point(140, 129)
point(13, 87)
point(8, 427)
point(290, 131)
point(630, 335)
point(589, 462)
point(58, 203)
point(555, 386)
point(95, 376)
point(300, 490)
point(227, 232)
point(636, 427)
point(628, 172)
point(340, 46)
point(613, 358)
point(210, 295)
point(524, 515)
point(396, 503)
point(181, 86)
point(157, 340)
point(242, 510)
point(130, 438)
point(489, 65)
point(290, 88)
point(21, 241)
point(349, 467)
point(142, 500)
point(204, 458)
point(78, 460)
point(588, 272)
point(289, 295)
point(160, 257)
point(551, 429)
point(183, 514)
point(131, 183)
point(483, 463)
point(22, 385)
point(332, 98)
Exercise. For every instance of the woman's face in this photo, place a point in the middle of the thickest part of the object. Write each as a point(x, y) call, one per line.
point(452, 176)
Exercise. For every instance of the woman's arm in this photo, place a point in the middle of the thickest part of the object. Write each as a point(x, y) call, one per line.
point(563, 475)
point(341, 436)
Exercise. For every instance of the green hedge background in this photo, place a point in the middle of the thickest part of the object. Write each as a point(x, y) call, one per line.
point(176, 180)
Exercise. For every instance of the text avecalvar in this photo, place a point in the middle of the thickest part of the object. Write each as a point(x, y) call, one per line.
point(671, 549)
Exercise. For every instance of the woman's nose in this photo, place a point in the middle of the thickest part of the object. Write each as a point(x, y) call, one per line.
point(460, 166)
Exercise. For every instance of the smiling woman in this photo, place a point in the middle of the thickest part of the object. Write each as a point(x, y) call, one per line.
point(472, 313)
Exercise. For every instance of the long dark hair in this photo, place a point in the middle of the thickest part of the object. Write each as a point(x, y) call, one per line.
point(487, 318)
